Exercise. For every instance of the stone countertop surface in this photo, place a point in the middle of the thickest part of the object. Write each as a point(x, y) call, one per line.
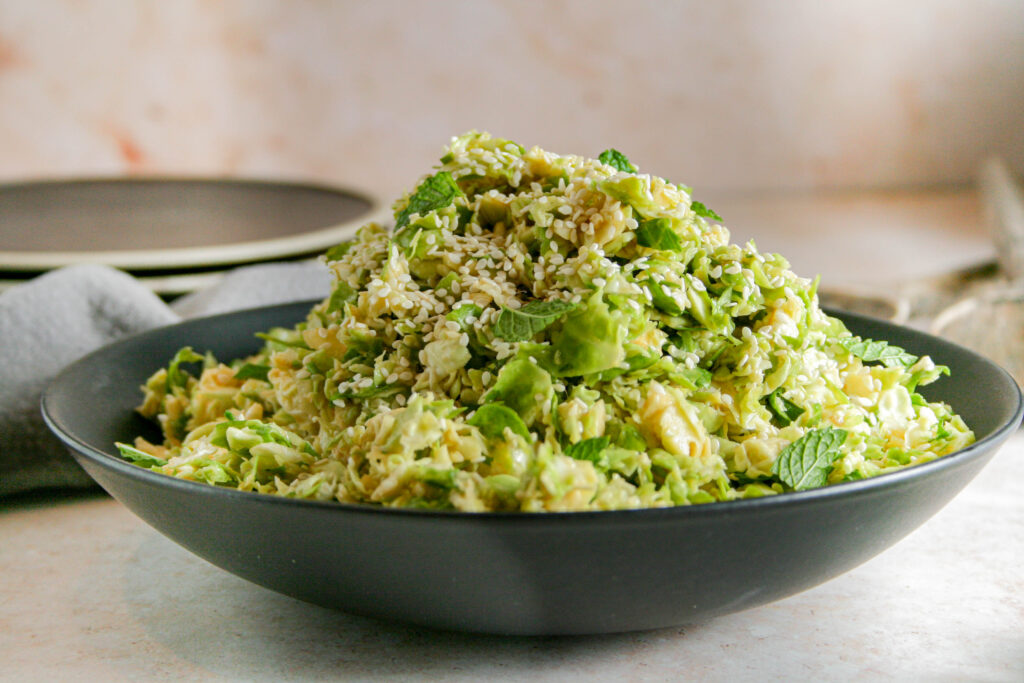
point(89, 592)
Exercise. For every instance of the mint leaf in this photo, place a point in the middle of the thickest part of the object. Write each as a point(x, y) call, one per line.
point(253, 371)
point(176, 377)
point(694, 378)
point(588, 449)
point(275, 337)
point(336, 252)
point(658, 234)
point(343, 294)
point(447, 281)
point(522, 324)
point(617, 160)
point(505, 484)
point(661, 299)
point(871, 351)
point(785, 411)
point(704, 212)
point(462, 313)
point(371, 391)
point(493, 418)
point(436, 192)
point(141, 458)
point(805, 463)
point(443, 477)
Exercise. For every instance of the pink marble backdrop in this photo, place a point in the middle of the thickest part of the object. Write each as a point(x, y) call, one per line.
point(757, 95)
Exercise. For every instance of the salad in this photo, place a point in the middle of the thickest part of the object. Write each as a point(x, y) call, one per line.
point(540, 332)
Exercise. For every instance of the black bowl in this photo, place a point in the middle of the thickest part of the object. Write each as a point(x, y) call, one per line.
point(549, 573)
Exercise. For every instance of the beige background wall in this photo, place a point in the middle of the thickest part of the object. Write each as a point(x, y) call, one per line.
point(723, 96)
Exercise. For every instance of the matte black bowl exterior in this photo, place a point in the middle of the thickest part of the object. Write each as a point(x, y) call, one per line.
point(552, 573)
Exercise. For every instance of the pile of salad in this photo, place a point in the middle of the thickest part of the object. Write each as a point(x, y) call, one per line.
point(540, 332)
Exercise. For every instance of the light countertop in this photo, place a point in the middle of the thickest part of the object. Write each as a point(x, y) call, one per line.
point(89, 592)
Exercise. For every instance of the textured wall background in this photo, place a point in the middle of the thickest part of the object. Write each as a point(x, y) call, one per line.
point(723, 96)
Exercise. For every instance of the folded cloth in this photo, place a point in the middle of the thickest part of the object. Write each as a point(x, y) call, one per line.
point(262, 285)
point(58, 317)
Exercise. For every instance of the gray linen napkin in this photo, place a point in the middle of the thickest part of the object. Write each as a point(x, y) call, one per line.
point(56, 318)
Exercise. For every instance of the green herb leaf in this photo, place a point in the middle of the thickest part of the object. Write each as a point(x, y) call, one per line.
point(447, 281)
point(336, 252)
point(175, 376)
point(363, 345)
point(785, 411)
point(588, 449)
point(343, 294)
point(658, 234)
point(296, 344)
point(436, 192)
point(870, 351)
point(661, 299)
point(522, 324)
point(704, 212)
point(617, 160)
point(253, 371)
point(805, 463)
point(443, 477)
point(694, 378)
point(141, 458)
point(505, 484)
point(465, 217)
point(371, 391)
point(462, 313)
point(493, 418)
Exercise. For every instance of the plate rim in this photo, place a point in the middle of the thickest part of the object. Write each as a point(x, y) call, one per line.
point(235, 253)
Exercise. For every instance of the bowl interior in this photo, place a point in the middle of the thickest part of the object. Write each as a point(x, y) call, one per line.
point(519, 573)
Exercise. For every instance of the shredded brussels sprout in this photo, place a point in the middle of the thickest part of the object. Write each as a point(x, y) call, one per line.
point(544, 332)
